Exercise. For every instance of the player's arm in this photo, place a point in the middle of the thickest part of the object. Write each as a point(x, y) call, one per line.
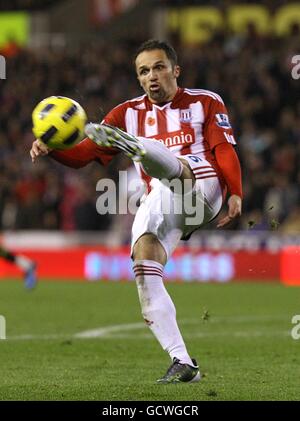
point(76, 157)
point(229, 165)
point(220, 137)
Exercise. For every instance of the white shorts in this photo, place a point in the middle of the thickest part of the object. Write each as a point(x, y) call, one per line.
point(172, 217)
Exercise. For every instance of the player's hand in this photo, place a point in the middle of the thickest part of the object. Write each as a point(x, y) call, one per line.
point(38, 148)
point(234, 210)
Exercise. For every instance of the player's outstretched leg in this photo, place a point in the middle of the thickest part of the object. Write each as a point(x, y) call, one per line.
point(106, 135)
point(30, 277)
point(156, 159)
point(26, 265)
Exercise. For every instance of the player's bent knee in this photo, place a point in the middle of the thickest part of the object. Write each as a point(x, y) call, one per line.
point(187, 173)
point(148, 247)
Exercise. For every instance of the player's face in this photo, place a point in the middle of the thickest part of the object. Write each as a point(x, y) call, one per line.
point(157, 76)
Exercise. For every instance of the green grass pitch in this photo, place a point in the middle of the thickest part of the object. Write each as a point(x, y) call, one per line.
point(239, 333)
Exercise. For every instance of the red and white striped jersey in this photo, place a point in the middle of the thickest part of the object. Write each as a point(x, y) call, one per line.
point(194, 122)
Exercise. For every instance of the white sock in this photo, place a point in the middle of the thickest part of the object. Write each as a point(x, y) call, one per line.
point(158, 309)
point(23, 262)
point(159, 162)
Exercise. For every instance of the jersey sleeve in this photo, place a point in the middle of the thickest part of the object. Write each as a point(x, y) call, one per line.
point(217, 128)
point(116, 117)
point(83, 153)
point(230, 168)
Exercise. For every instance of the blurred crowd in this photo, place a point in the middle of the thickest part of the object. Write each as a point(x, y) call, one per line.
point(25, 4)
point(253, 75)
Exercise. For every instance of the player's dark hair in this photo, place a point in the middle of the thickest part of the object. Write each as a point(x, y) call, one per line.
point(154, 44)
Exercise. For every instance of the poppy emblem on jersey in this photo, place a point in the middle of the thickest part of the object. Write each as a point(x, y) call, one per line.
point(150, 121)
point(185, 116)
point(223, 121)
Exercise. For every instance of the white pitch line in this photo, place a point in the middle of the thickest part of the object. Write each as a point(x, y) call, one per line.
point(123, 330)
point(104, 331)
point(241, 334)
point(128, 335)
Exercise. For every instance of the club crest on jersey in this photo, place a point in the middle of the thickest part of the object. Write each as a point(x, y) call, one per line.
point(185, 116)
point(223, 121)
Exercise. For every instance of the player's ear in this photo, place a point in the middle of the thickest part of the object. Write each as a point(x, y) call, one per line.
point(140, 83)
point(137, 76)
point(177, 71)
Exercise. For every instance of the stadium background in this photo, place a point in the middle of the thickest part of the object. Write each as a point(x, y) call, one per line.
point(83, 49)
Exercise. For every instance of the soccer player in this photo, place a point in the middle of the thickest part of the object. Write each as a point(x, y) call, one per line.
point(27, 266)
point(171, 134)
